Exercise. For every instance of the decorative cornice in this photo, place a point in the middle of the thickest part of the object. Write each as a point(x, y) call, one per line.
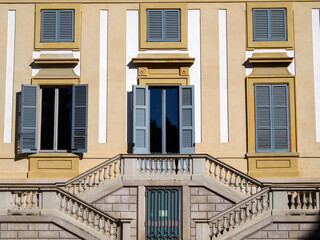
point(163, 58)
point(56, 60)
point(270, 60)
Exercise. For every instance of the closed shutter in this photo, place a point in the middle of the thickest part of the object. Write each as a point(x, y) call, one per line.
point(263, 118)
point(278, 24)
point(154, 25)
point(269, 25)
point(281, 118)
point(172, 25)
point(29, 118)
point(186, 126)
point(141, 120)
point(66, 20)
point(48, 25)
point(79, 118)
point(272, 118)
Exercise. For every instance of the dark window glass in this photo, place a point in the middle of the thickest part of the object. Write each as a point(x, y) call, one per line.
point(64, 123)
point(47, 118)
point(156, 120)
point(172, 120)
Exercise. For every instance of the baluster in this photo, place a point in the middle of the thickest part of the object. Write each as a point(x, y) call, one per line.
point(110, 171)
point(173, 166)
point(74, 209)
point(163, 167)
point(75, 192)
point(184, 166)
point(236, 218)
point(310, 201)
point(79, 213)
point(152, 166)
point(254, 207)
point(179, 166)
point(304, 200)
point(215, 171)
point(252, 189)
point(63, 203)
point(236, 185)
point(241, 184)
point(210, 168)
point(231, 221)
point(221, 174)
point(148, 166)
point(214, 230)
point(264, 202)
point(105, 173)
point(298, 203)
point(69, 188)
point(226, 177)
point(101, 224)
point(247, 188)
point(291, 200)
point(113, 231)
point(22, 200)
point(157, 166)
point(85, 216)
point(242, 214)
point(96, 222)
point(107, 227)
point(28, 195)
point(247, 211)
point(231, 179)
point(95, 180)
point(259, 208)
point(90, 180)
point(117, 169)
point(85, 187)
point(90, 219)
point(100, 176)
point(142, 166)
point(34, 201)
point(219, 228)
point(225, 224)
point(80, 187)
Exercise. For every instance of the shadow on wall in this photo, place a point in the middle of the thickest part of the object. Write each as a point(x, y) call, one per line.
point(129, 123)
point(315, 232)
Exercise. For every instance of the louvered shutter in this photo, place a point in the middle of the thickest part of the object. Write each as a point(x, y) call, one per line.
point(172, 25)
point(65, 25)
point(186, 125)
point(263, 118)
point(154, 25)
point(260, 24)
point(79, 118)
point(278, 24)
point(29, 118)
point(141, 120)
point(48, 25)
point(280, 118)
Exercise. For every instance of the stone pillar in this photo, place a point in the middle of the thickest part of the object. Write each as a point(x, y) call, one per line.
point(199, 167)
point(202, 231)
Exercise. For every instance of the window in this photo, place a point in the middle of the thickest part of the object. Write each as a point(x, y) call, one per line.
point(272, 118)
point(163, 119)
point(270, 25)
point(163, 26)
point(163, 205)
point(57, 25)
point(63, 118)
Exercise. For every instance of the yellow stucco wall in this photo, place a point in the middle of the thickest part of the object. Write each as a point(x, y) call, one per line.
point(233, 152)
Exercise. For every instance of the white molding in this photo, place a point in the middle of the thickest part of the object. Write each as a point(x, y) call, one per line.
point(316, 67)
point(9, 76)
point(223, 64)
point(103, 76)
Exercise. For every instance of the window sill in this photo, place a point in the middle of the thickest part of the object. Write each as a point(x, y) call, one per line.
point(273, 154)
point(53, 155)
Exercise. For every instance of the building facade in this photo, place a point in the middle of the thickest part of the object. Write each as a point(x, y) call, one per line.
point(159, 120)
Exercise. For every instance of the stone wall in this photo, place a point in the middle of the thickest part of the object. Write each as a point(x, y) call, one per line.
point(287, 231)
point(121, 204)
point(205, 204)
point(33, 231)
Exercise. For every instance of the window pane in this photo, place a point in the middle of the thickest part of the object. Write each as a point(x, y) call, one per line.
point(64, 120)
point(47, 118)
point(155, 120)
point(172, 120)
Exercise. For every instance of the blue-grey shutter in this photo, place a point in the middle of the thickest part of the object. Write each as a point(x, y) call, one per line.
point(141, 120)
point(186, 121)
point(48, 25)
point(154, 25)
point(29, 118)
point(278, 24)
point(260, 24)
point(172, 25)
point(280, 118)
point(66, 25)
point(79, 118)
point(263, 118)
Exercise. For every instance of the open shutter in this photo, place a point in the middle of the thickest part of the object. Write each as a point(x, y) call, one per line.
point(154, 25)
point(141, 120)
point(278, 24)
point(29, 118)
point(79, 118)
point(263, 118)
point(172, 25)
point(48, 25)
point(66, 25)
point(260, 24)
point(186, 126)
point(281, 118)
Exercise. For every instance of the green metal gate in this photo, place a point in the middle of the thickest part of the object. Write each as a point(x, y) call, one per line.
point(163, 213)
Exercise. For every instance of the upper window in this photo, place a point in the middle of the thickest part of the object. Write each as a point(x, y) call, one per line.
point(57, 26)
point(163, 26)
point(270, 25)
